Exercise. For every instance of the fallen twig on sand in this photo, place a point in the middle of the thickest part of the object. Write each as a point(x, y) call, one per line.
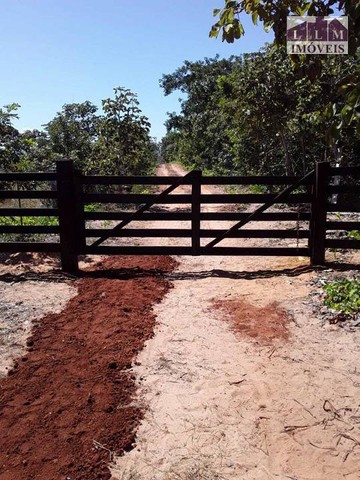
point(294, 428)
point(329, 407)
point(352, 439)
point(237, 382)
point(273, 350)
point(321, 448)
point(306, 410)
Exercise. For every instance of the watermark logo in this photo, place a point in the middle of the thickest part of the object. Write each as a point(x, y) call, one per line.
point(317, 35)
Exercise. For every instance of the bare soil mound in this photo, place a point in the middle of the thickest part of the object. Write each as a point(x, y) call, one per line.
point(68, 404)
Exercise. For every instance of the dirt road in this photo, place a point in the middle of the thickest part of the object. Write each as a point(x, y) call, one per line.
point(241, 381)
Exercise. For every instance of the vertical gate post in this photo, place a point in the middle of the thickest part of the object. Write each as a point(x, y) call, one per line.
point(195, 211)
point(67, 205)
point(79, 213)
point(318, 214)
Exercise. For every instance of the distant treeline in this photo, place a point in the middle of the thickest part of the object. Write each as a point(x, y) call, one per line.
point(117, 141)
point(261, 113)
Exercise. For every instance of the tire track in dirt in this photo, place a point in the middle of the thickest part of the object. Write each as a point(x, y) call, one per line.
point(69, 404)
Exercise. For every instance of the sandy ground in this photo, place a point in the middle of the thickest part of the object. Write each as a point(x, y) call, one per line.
point(223, 403)
point(240, 381)
point(20, 305)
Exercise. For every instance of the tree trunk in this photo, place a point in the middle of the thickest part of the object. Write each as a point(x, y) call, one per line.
point(303, 160)
point(288, 162)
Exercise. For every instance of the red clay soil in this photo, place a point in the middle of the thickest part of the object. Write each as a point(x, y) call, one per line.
point(74, 388)
point(262, 324)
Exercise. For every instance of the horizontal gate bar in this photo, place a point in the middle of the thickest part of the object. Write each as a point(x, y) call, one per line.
point(186, 233)
point(343, 189)
point(166, 180)
point(29, 212)
point(343, 208)
point(124, 180)
point(342, 226)
point(264, 217)
point(27, 177)
point(142, 217)
point(254, 198)
point(186, 216)
point(134, 198)
point(334, 171)
point(27, 194)
point(235, 251)
point(14, 247)
point(345, 243)
point(252, 180)
point(184, 198)
point(29, 229)
point(169, 180)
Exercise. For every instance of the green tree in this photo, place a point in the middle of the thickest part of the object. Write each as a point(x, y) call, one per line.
point(273, 102)
point(256, 115)
point(198, 133)
point(10, 145)
point(345, 109)
point(115, 142)
point(123, 145)
point(273, 14)
point(37, 153)
point(73, 132)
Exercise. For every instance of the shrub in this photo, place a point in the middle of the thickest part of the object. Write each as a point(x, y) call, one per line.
point(354, 234)
point(343, 295)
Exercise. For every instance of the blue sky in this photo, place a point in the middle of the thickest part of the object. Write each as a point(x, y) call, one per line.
point(63, 51)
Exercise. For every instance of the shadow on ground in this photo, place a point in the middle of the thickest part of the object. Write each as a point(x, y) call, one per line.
point(131, 273)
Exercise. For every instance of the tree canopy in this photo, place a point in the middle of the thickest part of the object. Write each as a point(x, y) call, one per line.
point(256, 114)
point(344, 108)
point(115, 141)
point(273, 15)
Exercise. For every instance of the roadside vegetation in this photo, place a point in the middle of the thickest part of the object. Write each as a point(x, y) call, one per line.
point(267, 112)
point(116, 141)
point(343, 296)
point(260, 113)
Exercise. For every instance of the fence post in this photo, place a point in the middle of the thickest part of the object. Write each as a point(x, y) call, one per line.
point(195, 211)
point(67, 206)
point(79, 212)
point(318, 214)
